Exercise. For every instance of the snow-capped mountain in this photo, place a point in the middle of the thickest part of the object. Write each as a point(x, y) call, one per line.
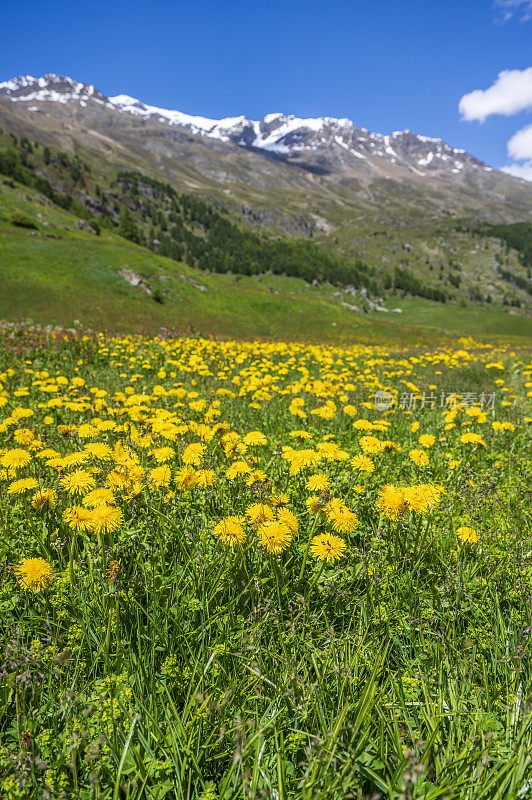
point(285, 135)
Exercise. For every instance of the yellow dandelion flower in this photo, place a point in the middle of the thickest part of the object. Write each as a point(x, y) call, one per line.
point(99, 497)
point(33, 573)
point(106, 518)
point(44, 497)
point(340, 516)
point(22, 486)
point(318, 483)
point(78, 482)
point(14, 459)
point(468, 535)
point(363, 464)
point(185, 478)
point(288, 518)
point(78, 518)
point(419, 457)
point(193, 454)
point(327, 547)
point(230, 531)
point(259, 512)
point(254, 439)
point(275, 536)
point(426, 439)
point(391, 502)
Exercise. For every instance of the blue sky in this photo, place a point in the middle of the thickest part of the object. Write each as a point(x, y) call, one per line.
point(386, 65)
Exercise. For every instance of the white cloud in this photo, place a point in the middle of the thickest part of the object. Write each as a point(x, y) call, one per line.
point(522, 9)
point(520, 145)
point(520, 150)
point(523, 170)
point(509, 94)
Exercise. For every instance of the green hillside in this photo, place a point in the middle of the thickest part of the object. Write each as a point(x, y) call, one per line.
point(57, 273)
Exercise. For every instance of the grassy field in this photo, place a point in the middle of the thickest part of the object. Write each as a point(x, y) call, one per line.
point(58, 274)
point(227, 574)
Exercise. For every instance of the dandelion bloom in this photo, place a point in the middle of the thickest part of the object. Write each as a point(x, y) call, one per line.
point(78, 518)
point(160, 476)
point(98, 450)
point(78, 482)
point(288, 518)
point(259, 512)
point(205, 477)
point(99, 497)
point(236, 469)
point(33, 573)
point(254, 439)
point(318, 483)
point(391, 502)
point(342, 518)
point(193, 454)
point(423, 497)
point(22, 486)
point(466, 534)
point(106, 518)
point(327, 547)
point(230, 531)
point(314, 505)
point(44, 497)
point(419, 457)
point(185, 478)
point(371, 445)
point(363, 464)
point(275, 536)
point(426, 439)
point(13, 459)
point(472, 438)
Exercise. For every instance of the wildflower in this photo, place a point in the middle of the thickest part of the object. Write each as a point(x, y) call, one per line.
point(162, 454)
point(78, 482)
point(44, 497)
point(315, 505)
point(363, 464)
point(466, 534)
point(13, 459)
point(33, 573)
point(423, 497)
point(22, 486)
point(259, 512)
point(99, 497)
point(426, 439)
point(160, 476)
point(98, 450)
point(78, 518)
point(318, 483)
point(327, 547)
point(193, 454)
point(288, 518)
point(106, 518)
point(419, 457)
point(254, 439)
point(391, 501)
point(205, 477)
point(236, 469)
point(230, 531)
point(275, 536)
point(371, 445)
point(342, 518)
point(472, 438)
point(185, 478)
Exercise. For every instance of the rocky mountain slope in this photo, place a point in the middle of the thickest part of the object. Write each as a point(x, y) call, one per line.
point(391, 201)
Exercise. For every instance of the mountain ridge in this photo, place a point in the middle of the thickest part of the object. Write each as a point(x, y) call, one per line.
point(276, 133)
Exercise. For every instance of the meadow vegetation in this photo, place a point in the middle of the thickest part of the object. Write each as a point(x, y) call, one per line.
point(231, 570)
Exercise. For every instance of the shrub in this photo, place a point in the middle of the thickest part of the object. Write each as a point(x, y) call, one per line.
point(21, 220)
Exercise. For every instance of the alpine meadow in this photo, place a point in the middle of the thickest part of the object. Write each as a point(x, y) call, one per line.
point(265, 413)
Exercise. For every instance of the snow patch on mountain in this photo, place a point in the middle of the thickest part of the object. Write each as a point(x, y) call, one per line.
point(276, 132)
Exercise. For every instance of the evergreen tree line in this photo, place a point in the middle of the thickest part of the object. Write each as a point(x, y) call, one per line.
point(14, 164)
point(194, 232)
point(516, 235)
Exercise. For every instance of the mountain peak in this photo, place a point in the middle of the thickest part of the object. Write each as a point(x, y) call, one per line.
point(284, 134)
